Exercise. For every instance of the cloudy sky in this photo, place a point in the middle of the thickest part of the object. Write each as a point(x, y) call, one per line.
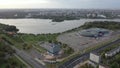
point(101, 4)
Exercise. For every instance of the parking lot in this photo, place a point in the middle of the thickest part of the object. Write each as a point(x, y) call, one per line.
point(78, 42)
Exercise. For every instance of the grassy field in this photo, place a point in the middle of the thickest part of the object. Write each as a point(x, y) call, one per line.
point(31, 38)
point(7, 58)
point(13, 62)
point(16, 41)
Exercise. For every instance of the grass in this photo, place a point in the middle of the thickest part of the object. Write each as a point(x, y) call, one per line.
point(25, 63)
point(13, 59)
point(31, 38)
point(14, 41)
point(19, 62)
point(110, 48)
point(39, 48)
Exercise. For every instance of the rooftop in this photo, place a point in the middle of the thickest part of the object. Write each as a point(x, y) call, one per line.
point(92, 32)
point(51, 47)
point(113, 50)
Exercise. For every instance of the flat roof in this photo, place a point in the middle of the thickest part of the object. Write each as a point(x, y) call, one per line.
point(93, 31)
point(51, 47)
point(113, 50)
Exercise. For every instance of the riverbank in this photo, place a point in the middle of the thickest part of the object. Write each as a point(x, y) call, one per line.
point(45, 26)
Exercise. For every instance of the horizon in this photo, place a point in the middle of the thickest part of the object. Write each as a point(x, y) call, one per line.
point(59, 4)
point(58, 9)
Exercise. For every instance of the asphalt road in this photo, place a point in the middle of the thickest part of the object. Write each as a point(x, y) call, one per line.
point(27, 58)
point(81, 58)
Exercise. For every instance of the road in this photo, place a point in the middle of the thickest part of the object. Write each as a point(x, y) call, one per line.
point(27, 58)
point(81, 58)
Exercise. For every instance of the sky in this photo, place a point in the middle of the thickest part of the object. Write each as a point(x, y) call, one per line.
point(82, 4)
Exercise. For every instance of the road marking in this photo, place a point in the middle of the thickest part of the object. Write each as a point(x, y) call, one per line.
point(38, 60)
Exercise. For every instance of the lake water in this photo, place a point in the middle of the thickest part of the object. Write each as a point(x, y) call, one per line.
point(38, 26)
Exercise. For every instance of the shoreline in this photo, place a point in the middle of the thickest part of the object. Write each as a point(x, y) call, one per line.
point(71, 29)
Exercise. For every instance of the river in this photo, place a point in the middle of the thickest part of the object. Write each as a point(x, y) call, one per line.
point(39, 26)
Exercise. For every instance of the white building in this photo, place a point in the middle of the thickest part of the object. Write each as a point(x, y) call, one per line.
point(113, 52)
point(94, 59)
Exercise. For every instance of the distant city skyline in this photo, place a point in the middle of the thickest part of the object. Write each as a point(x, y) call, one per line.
point(78, 4)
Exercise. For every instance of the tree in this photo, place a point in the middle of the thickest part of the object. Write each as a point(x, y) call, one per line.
point(12, 29)
point(115, 65)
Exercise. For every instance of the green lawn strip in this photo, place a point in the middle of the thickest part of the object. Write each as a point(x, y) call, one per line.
point(16, 44)
point(28, 38)
point(21, 61)
point(31, 38)
point(24, 62)
point(110, 48)
point(17, 62)
point(39, 48)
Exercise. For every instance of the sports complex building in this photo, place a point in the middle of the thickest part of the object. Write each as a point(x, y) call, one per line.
point(94, 32)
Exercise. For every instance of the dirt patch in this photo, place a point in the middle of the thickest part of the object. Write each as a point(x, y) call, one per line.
point(78, 42)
